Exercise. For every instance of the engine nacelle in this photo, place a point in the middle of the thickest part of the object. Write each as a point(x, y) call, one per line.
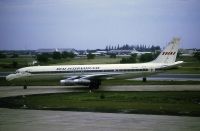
point(75, 82)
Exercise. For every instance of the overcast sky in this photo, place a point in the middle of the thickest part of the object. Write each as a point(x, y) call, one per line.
point(91, 24)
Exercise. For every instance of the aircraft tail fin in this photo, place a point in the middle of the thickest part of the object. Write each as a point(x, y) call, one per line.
point(168, 55)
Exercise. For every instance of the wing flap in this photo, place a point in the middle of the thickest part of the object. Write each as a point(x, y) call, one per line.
point(100, 76)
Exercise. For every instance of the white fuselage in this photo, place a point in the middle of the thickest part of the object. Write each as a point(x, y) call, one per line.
point(88, 69)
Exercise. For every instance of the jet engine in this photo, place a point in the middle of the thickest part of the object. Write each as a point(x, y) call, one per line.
point(75, 82)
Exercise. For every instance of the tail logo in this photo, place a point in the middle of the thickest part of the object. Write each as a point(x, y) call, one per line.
point(168, 53)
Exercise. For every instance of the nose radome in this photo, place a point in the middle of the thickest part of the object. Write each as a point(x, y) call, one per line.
point(10, 77)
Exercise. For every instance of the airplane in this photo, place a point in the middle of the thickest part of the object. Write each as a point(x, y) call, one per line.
point(91, 75)
point(139, 52)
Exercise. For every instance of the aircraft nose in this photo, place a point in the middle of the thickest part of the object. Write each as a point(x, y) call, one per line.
point(10, 77)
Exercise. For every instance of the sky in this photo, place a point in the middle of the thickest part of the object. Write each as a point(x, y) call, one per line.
point(92, 24)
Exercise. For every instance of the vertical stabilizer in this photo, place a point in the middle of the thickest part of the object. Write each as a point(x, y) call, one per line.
point(168, 55)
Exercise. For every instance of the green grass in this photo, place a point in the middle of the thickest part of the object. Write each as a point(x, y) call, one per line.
point(23, 61)
point(190, 65)
point(6, 64)
point(170, 103)
point(137, 82)
point(84, 61)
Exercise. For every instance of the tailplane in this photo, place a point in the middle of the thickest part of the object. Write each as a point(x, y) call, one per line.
point(168, 55)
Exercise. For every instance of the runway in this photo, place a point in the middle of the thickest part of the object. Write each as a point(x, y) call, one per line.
point(23, 120)
point(36, 120)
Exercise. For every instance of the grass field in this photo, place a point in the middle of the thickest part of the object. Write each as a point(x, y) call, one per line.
point(169, 103)
point(97, 60)
point(6, 63)
point(190, 65)
point(23, 61)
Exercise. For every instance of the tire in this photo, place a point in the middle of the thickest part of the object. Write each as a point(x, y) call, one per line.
point(95, 84)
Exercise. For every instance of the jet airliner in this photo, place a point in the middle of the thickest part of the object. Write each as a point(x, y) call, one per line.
point(139, 52)
point(91, 75)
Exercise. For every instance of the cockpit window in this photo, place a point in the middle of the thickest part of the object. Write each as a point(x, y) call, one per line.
point(22, 71)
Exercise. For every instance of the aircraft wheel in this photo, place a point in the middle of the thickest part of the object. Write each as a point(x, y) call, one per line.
point(25, 87)
point(95, 84)
point(144, 79)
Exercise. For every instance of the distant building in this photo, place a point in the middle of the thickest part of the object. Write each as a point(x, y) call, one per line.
point(187, 52)
point(134, 51)
point(120, 52)
point(33, 63)
point(45, 50)
point(101, 52)
point(40, 51)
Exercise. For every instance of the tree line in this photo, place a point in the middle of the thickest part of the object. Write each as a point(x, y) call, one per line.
point(131, 47)
point(197, 55)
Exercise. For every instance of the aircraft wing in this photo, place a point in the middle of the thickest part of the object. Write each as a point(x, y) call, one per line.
point(99, 76)
point(94, 76)
point(88, 79)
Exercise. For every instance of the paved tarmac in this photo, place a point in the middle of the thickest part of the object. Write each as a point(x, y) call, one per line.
point(6, 91)
point(37, 120)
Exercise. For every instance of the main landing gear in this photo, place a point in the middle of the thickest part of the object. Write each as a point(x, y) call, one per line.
point(25, 87)
point(94, 84)
point(144, 79)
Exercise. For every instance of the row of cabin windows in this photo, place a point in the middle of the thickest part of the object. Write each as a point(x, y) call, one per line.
point(159, 69)
point(117, 70)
